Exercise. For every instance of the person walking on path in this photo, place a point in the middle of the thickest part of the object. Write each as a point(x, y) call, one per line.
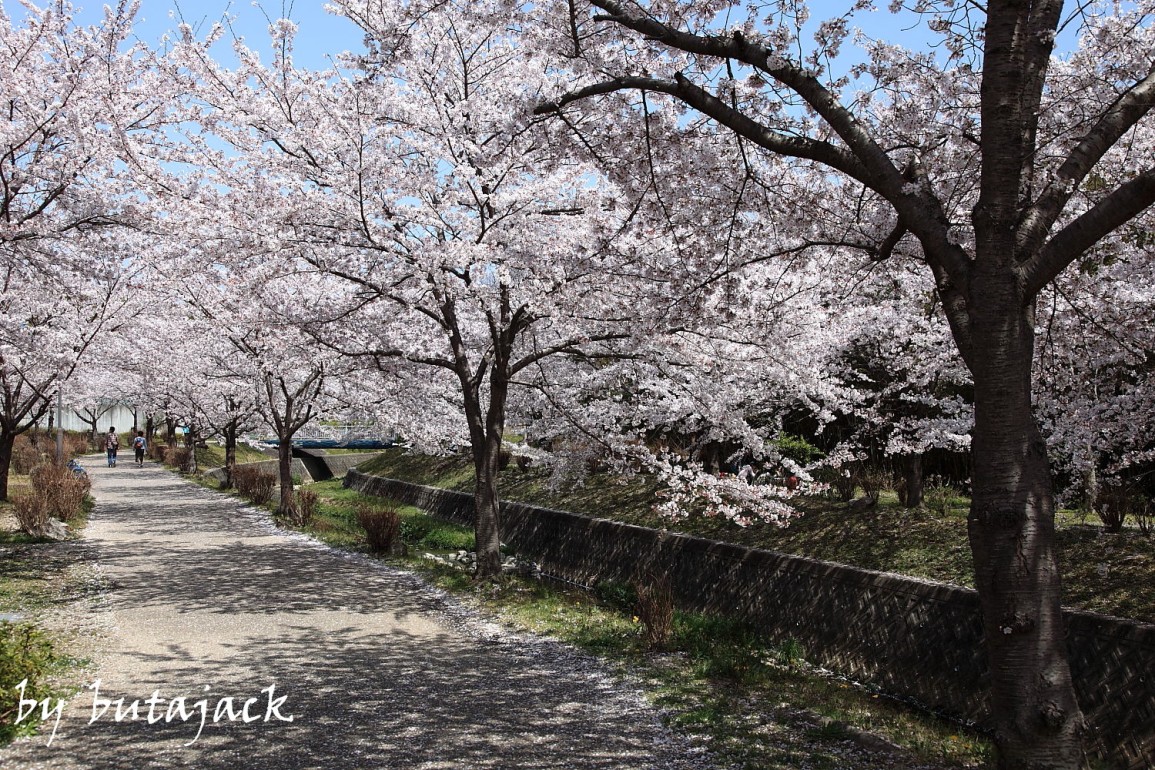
point(111, 444)
point(139, 445)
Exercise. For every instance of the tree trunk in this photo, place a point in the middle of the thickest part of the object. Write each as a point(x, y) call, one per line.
point(1091, 485)
point(7, 442)
point(287, 505)
point(190, 442)
point(230, 455)
point(912, 481)
point(487, 503)
point(1038, 723)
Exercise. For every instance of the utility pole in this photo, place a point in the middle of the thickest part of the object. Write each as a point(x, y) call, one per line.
point(60, 425)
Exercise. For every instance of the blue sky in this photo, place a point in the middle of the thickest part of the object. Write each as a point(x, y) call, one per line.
point(321, 34)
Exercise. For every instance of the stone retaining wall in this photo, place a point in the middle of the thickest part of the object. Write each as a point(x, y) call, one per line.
point(908, 637)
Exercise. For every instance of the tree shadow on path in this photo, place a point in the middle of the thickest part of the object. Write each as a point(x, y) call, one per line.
point(377, 670)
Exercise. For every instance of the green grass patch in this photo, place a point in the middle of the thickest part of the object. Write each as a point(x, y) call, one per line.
point(335, 523)
point(28, 658)
point(25, 583)
point(34, 578)
point(213, 456)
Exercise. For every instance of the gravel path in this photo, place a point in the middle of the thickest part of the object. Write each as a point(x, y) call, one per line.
point(205, 600)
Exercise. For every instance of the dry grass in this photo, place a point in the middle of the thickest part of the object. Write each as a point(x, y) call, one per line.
point(381, 524)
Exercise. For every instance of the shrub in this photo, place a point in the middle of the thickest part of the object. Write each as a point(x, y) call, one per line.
point(158, 452)
point(56, 494)
point(448, 537)
point(842, 482)
point(796, 448)
point(31, 513)
point(789, 652)
point(381, 526)
point(62, 490)
point(181, 458)
point(655, 610)
point(423, 531)
point(306, 506)
point(939, 496)
point(263, 488)
point(243, 478)
point(25, 654)
point(874, 481)
point(414, 529)
point(254, 483)
point(24, 458)
point(1115, 501)
point(75, 444)
point(620, 596)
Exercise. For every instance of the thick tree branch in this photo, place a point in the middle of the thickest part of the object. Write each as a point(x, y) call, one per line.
point(1131, 106)
point(569, 346)
point(862, 159)
point(708, 104)
point(1113, 211)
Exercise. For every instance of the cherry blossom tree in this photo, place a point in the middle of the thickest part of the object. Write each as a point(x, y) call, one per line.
point(182, 367)
point(901, 391)
point(75, 97)
point(1003, 165)
point(51, 323)
point(1096, 395)
point(457, 251)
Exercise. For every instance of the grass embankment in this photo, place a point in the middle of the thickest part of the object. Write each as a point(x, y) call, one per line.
point(213, 456)
point(1103, 572)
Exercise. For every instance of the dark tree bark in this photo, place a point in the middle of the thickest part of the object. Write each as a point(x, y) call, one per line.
point(192, 438)
point(1011, 530)
point(486, 428)
point(288, 504)
point(7, 442)
point(170, 431)
point(22, 405)
point(913, 481)
point(487, 503)
point(230, 432)
point(486, 419)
